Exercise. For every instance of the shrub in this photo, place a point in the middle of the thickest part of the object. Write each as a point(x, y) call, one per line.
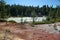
point(12, 21)
point(48, 18)
point(44, 22)
point(58, 20)
point(52, 21)
point(3, 20)
point(39, 23)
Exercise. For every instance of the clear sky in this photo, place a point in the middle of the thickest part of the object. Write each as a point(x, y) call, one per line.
point(34, 2)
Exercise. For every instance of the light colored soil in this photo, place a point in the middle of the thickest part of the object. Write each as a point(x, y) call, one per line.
point(48, 28)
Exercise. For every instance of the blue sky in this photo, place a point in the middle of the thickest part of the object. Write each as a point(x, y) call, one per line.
point(34, 2)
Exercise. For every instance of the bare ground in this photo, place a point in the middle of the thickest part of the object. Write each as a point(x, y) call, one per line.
point(26, 32)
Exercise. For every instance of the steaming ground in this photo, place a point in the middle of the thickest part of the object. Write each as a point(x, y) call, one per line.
point(26, 19)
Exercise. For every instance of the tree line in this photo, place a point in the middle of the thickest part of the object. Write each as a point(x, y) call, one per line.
point(7, 10)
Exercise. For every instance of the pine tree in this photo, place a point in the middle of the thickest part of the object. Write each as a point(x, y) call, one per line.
point(3, 10)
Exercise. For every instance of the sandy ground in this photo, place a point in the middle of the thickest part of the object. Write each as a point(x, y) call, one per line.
point(26, 32)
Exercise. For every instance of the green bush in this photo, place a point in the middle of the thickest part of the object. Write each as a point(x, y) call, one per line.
point(45, 22)
point(48, 18)
point(3, 20)
point(12, 21)
point(52, 21)
point(39, 23)
point(58, 20)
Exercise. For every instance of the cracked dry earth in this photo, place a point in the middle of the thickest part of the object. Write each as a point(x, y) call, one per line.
point(26, 32)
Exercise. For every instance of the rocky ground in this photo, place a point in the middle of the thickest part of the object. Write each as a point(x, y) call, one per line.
point(26, 32)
